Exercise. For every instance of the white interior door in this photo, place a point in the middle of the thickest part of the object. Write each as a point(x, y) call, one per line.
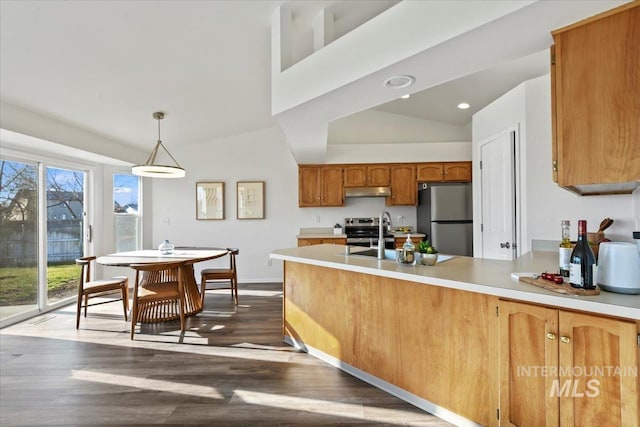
point(497, 175)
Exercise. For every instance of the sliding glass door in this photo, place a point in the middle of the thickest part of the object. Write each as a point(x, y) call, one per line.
point(65, 231)
point(43, 229)
point(18, 238)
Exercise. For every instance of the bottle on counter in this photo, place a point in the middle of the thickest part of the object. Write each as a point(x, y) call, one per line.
point(409, 250)
point(582, 261)
point(564, 252)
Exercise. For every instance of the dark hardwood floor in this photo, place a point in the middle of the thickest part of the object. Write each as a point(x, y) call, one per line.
point(230, 367)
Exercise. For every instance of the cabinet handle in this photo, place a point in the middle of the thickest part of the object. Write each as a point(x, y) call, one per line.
point(551, 336)
point(565, 340)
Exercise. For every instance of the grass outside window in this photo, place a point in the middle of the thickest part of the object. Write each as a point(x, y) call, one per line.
point(18, 285)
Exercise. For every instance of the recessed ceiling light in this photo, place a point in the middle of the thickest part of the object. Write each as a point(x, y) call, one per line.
point(407, 96)
point(463, 106)
point(399, 82)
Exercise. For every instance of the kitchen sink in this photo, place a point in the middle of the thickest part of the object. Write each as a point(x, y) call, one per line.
point(373, 253)
point(390, 254)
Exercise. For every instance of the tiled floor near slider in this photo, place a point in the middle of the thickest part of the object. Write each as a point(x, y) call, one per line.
point(229, 368)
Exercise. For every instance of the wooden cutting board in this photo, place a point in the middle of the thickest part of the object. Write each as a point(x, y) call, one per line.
point(561, 289)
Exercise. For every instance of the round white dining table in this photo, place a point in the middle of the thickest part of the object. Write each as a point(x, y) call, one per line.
point(192, 298)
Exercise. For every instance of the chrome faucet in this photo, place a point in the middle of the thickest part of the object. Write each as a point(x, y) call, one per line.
point(381, 233)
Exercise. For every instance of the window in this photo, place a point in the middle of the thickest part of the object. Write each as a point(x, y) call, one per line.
point(127, 210)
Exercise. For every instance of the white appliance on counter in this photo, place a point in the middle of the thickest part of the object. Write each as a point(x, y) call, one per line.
point(619, 266)
point(445, 215)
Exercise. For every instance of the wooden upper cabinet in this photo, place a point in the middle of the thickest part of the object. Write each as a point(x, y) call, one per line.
point(457, 171)
point(308, 186)
point(332, 191)
point(366, 175)
point(430, 172)
point(320, 186)
point(378, 175)
point(595, 66)
point(404, 187)
point(355, 176)
point(444, 172)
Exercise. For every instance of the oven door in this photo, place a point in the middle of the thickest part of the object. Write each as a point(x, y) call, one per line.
point(361, 241)
point(369, 242)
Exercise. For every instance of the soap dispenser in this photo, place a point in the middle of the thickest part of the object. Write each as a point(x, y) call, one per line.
point(409, 250)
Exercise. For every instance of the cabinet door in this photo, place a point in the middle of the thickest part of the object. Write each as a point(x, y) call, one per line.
point(430, 172)
point(457, 171)
point(404, 190)
point(378, 176)
point(308, 242)
point(335, 241)
point(308, 186)
point(598, 370)
point(597, 99)
point(332, 190)
point(528, 344)
point(399, 241)
point(355, 176)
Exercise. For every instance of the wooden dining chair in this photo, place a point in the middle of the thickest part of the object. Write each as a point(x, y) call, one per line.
point(158, 293)
point(230, 275)
point(90, 288)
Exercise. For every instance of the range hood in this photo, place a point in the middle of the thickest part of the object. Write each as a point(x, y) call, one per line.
point(367, 191)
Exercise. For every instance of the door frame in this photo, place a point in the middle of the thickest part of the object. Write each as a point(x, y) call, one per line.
point(518, 192)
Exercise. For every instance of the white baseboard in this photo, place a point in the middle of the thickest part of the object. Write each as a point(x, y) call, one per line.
point(411, 398)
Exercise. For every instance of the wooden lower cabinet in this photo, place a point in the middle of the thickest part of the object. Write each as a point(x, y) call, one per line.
point(320, 241)
point(400, 241)
point(431, 341)
point(562, 368)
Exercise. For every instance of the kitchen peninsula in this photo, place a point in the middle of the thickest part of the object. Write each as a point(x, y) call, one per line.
point(452, 338)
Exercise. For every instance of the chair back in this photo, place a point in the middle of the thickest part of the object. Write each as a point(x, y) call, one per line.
point(85, 269)
point(232, 257)
point(158, 272)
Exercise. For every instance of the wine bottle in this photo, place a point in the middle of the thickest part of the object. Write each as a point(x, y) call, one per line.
point(582, 261)
point(564, 252)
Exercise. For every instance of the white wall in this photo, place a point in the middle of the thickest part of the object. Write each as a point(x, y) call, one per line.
point(545, 204)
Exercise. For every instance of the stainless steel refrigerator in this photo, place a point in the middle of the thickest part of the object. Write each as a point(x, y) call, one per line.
point(445, 215)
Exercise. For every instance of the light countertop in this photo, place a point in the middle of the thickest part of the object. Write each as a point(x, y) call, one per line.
point(486, 276)
point(321, 236)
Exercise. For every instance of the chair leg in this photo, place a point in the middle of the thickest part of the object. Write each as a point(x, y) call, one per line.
point(125, 300)
point(86, 304)
point(234, 289)
point(134, 318)
point(78, 311)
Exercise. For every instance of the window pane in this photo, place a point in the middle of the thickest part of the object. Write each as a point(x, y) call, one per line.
point(65, 216)
point(126, 196)
point(18, 238)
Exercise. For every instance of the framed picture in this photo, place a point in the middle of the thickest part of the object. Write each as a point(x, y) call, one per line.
point(209, 200)
point(250, 199)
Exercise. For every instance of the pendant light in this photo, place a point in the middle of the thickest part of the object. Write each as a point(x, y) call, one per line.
point(153, 170)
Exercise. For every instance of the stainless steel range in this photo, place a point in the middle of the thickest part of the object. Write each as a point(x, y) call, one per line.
point(364, 232)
